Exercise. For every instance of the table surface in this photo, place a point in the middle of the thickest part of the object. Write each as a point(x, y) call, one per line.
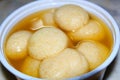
point(112, 6)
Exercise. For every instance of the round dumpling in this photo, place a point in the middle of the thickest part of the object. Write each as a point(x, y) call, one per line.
point(16, 46)
point(48, 18)
point(46, 42)
point(95, 52)
point(36, 24)
point(68, 63)
point(92, 31)
point(30, 67)
point(71, 17)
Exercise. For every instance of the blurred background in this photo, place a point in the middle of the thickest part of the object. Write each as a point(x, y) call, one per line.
point(112, 6)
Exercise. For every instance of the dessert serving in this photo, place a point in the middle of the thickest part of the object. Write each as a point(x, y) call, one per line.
point(58, 43)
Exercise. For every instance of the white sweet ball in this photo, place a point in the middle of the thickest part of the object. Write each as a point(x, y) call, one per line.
point(30, 67)
point(71, 17)
point(48, 18)
point(68, 63)
point(16, 45)
point(91, 31)
point(46, 42)
point(95, 52)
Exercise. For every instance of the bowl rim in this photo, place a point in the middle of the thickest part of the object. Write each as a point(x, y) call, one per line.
point(55, 2)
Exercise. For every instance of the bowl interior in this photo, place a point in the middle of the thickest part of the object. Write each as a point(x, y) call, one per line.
point(36, 6)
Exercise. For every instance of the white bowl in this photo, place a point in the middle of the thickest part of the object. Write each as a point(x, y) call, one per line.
point(36, 6)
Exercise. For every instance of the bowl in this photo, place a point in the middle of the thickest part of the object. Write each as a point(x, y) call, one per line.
point(36, 6)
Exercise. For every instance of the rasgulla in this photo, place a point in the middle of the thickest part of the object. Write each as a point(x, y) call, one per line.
point(30, 67)
point(68, 63)
point(48, 18)
point(95, 52)
point(36, 24)
point(71, 17)
point(16, 46)
point(46, 42)
point(91, 31)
